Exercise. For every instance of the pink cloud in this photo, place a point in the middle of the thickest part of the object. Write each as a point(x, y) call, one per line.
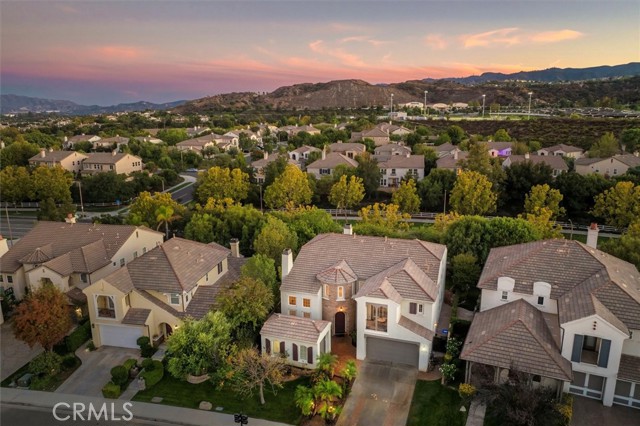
point(503, 36)
point(363, 39)
point(435, 41)
point(121, 52)
point(556, 36)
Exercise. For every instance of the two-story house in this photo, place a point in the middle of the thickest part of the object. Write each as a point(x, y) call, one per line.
point(498, 149)
point(301, 155)
point(377, 135)
point(197, 144)
point(389, 290)
point(349, 149)
point(327, 163)
point(72, 255)
point(612, 166)
point(260, 166)
point(111, 143)
point(70, 142)
point(453, 161)
point(120, 163)
point(555, 162)
point(563, 312)
point(395, 168)
point(68, 160)
point(383, 152)
point(153, 294)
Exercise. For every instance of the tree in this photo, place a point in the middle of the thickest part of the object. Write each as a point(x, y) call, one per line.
point(508, 231)
point(42, 317)
point(542, 196)
point(143, 210)
point(580, 191)
point(456, 134)
point(406, 197)
point(18, 153)
point(307, 222)
point(106, 188)
point(200, 228)
point(165, 215)
point(219, 183)
point(520, 177)
point(15, 184)
point(607, 146)
point(478, 159)
point(326, 366)
point(630, 139)
point(327, 391)
point(502, 135)
point(386, 217)
point(199, 346)
point(620, 205)
point(347, 194)
point(627, 247)
point(52, 182)
point(304, 400)
point(253, 370)
point(369, 172)
point(246, 303)
point(433, 187)
point(468, 235)
point(472, 194)
point(274, 237)
point(465, 274)
point(291, 189)
point(261, 268)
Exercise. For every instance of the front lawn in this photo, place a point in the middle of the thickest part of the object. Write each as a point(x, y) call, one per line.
point(279, 407)
point(434, 404)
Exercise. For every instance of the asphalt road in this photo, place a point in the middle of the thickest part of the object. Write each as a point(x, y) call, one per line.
point(17, 226)
point(18, 415)
point(183, 195)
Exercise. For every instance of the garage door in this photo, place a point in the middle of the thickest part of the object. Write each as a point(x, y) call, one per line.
point(120, 336)
point(392, 351)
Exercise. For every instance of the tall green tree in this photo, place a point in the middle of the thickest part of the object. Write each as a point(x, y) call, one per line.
point(346, 194)
point(456, 134)
point(52, 182)
point(291, 189)
point(630, 139)
point(606, 146)
point(369, 172)
point(165, 215)
point(580, 191)
point(627, 247)
point(543, 196)
point(432, 189)
point(274, 238)
point(406, 197)
point(220, 183)
point(262, 268)
point(246, 303)
point(15, 184)
point(620, 205)
point(143, 210)
point(520, 177)
point(473, 195)
point(465, 272)
point(18, 153)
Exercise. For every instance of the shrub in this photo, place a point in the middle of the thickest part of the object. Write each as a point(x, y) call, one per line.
point(70, 361)
point(448, 371)
point(147, 364)
point(119, 375)
point(453, 347)
point(78, 337)
point(565, 409)
point(91, 346)
point(153, 376)
point(47, 363)
point(143, 341)
point(130, 363)
point(146, 350)
point(466, 391)
point(111, 390)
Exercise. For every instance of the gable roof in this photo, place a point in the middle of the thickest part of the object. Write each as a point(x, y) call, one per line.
point(629, 159)
point(449, 161)
point(406, 278)
point(556, 162)
point(107, 157)
point(402, 161)
point(574, 270)
point(391, 148)
point(294, 328)
point(347, 146)
point(332, 160)
point(339, 273)
point(562, 147)
point(55, 156)
point(517, 335)
point(366, 256)
point(85, 244)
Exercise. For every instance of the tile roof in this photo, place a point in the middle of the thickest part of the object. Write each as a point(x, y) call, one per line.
point(199, 142)
point(574, 270)
point(629, 368)
point(416, 328)
point(629, 159)
point(406, 278)
point(298, 329)
point(585, 161)
point(136, 316)
point(263, 162)
point(516, 335)
point(391, 148)
point(306, 148)
point(497, 145)
point(332, 160)
point(55, 156)
point(403, 162)
point(556, 162)
point(81, 138)
point(450, 162)
point(347, 146)
point(562, 147)
point(339, 273)
point(107, 157)
point(56, 239)
point(76, 295)
point(367, 256)
point(159, 303)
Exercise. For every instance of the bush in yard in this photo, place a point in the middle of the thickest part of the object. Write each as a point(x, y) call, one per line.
point(111, 390)
point(119, 375)
point(147, 364)
point(448, 372)
point(153, 376)
point(91, 346)
point(466, 391)
point(453, 347)
point(146, 350)
point(78, 337)
point(69, 362)
point(130, 363)
point(47, 363)
point(565, 409)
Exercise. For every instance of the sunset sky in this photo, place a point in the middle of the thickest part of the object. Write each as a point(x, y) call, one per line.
point(106, 52)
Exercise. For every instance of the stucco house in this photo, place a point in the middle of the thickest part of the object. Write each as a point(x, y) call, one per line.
point(301, 155)
point(348, 149)
point(197, 144)
point(389, 290)
point(70, 142)
point(396, 167)
point(452, 161)
point(259, 166)
point(612, 166)
point(377, 135)
point(152, 295)
point(68, 160)
point(383, 152)
point(563, 312)
point(71, 255)
point(556, 162)
point(562, 150)
point(327, 164)
point(98, 162)
point(111, 143)
point(498, 149)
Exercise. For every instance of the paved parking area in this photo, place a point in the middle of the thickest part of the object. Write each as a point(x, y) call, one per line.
point(381, 395)
point(13, 352)
point(95, 370)
point(589, 412)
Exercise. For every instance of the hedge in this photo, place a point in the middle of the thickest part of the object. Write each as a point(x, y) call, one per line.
point(130, 363)
point(78, 337)
point(119, 375)
point(111, 390)
point(151, 377)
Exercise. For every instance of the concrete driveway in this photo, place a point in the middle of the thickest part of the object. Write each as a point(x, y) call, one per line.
point(13, 352)
point(381, 395)
point(95, 370)
point(589, 412)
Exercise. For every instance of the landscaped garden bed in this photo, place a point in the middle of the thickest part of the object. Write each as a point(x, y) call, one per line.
point(435, 404)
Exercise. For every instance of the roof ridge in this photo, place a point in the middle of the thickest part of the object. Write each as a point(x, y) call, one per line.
point(538, 246)
point(173, 270)
point(501, 329)
point(542, 344)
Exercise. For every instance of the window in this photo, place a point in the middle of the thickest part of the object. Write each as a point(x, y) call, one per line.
point(186, 297)
point(376, 317)
point(1, 278)
point(174, 298)
point(127, 300)
point(10, 279)
point(135, 254)
point(122, 262)
point(393, 171)
point(276, 346)
point(293, 312)
point(303, 350)
point(306, 314)
point(206, 277)
point(591, 350)
point(536, 378)
point(540, 300)
point(505, 295)
point(325, 171)
point(383, 171)
point(420, 308)
point(292, 300)
point(83, 277)
point(615, 171)
point(326, 291)
point(306, 303)
point(105, 306)
point(220, 268)
point(416, 308)
point(340, 293)
point(144, 250)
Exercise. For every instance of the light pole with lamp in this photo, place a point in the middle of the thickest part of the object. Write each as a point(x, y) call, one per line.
point(391, 108)
point(80, 192)
point(425, 103)
point(483, 99)
point(529, 114)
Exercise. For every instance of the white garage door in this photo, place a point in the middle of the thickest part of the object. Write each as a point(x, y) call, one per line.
point(392, 351)
point(120, 336)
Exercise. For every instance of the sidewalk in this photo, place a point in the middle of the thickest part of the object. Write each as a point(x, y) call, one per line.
point(141, 410)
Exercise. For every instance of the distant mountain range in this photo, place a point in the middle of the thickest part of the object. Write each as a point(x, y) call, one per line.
point(23, 104)
point(551, 75)
point(601, 82)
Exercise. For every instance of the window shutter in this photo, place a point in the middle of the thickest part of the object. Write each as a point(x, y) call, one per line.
point(267, 344)
point(413, 308)
point(578, 340)
point(295, 352)
point(310, 354)
point(282, 348)
point(603, 359)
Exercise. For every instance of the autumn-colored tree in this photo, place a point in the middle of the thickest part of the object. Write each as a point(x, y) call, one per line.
point(387, 216)
point(253, 370)
point(15, 184)
point(291, 189)
point(620, 205)
point(42, 317)
point(406, 197)
point(143, 211)
point(347, 193)
point(220, 182)
point(473, 195)
point(274, 237)
point(542, 196)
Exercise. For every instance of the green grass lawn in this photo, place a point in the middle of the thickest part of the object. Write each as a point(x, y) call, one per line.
point(279, 407)
point(435, 405)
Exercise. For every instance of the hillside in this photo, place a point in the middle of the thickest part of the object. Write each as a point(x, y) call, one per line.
point(24, 104)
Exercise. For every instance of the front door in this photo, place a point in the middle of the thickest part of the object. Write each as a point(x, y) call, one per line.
point(340, 323)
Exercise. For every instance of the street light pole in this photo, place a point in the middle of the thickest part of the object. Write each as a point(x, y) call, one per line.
point(529, 115)
point(391, 107)
point(81, 203)
point(425, 102)
point(483, 99)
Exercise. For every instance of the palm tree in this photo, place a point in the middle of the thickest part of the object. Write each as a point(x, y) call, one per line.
point(327, 391)
point(326, 365)
point(304, 400)
point(349, 373)
point(165, 214)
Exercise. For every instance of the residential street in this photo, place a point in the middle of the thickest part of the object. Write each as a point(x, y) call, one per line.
point(17, 415)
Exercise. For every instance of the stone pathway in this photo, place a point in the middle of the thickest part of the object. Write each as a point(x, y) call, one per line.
point(13, 352)
point(477, 411)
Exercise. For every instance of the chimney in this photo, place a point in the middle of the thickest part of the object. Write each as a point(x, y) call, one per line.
point(287, 262)
point(4, 245)
point(70, 218)
point(324, 152)
point(235, 247)
point(455, 154)
point(592, 235)
point(347, 230)
point(408, 154)
point(265, 155)
point(526, 156)
point(43, 153)
point(114, 152)
point(66, 139)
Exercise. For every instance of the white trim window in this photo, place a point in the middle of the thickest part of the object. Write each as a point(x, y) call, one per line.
point(174, 298)
point(504, 296)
